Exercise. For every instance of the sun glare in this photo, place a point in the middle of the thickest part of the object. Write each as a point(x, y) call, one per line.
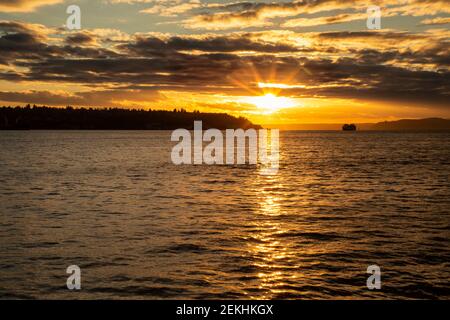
point(279, 85)
point(270, 102)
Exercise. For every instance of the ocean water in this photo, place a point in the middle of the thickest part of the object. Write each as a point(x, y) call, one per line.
point(139, 227)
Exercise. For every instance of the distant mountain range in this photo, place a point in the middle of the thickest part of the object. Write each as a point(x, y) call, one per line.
point(430, 124)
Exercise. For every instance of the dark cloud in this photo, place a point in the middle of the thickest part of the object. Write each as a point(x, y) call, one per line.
point(178, 69)
point(24, 45)
point(27, 42)
point(255, 8)
point(402, 36)
point(103, 98)
point(432, 51)
point(81, 38)
point(341, 78)
point(377, 82)
point(13, 26)
point(152, 45)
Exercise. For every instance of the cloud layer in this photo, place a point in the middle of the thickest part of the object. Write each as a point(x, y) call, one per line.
point(24, 5)
point(108, 67)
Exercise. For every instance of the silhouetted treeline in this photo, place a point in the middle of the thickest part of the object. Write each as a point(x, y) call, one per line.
point(40, 118)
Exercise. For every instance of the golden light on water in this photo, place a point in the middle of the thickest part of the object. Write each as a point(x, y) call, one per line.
point(272, 254)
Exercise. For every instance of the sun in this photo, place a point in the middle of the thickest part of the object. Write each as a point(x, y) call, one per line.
point(270, 102)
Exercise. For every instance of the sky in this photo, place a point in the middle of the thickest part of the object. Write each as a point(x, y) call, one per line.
point(274, 62)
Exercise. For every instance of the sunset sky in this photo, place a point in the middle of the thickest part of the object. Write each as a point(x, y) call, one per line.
point(275, 62)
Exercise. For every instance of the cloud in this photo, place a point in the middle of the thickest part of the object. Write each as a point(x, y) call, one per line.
point(256, 14)
point(382, 65)
point(417, 7)
point(223, 21)
point(38, 30)
point(344, 77)
point(311, 22)
point(213, 43)
point(24, 5)
point(347, 78)
point(171, 8)
point(242, 15)
point(436, 21)
point(101, 98)
point(33, 42)
point(81, 38)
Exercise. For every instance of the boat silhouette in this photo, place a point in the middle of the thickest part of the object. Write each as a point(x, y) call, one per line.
point(349, 127)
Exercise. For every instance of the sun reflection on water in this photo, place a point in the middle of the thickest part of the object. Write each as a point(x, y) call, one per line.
point(272, 255)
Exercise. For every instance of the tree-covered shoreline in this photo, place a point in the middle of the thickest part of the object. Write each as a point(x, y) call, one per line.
point(69, 118)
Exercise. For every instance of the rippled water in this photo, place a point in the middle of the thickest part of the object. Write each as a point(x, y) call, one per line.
point(140, 227)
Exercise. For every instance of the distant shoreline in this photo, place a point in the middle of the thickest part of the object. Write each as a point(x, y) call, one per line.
point(262, 127)
point(403, 125)
point(47, 118)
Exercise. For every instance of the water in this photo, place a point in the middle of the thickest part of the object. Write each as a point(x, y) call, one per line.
point(140, 227)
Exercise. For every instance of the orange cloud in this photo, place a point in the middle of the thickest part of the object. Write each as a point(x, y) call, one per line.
point(24, 5)
point(436, 21)
point(311, 22)
point(241, 15)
